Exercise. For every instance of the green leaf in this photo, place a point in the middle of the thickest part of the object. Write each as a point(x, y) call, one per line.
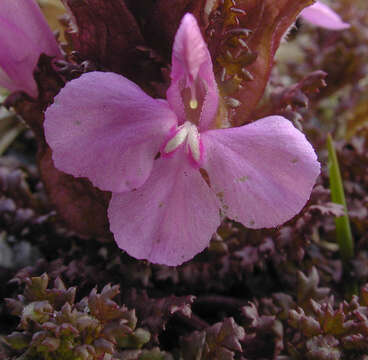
point(343, 230)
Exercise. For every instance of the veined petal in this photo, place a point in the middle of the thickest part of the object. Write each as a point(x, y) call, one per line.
point(170, 219)
point(18, 61)
point(320, 14)
point(189, 50)
point(24, 36)
point(29, 18)
point(262, 172)
point(104, 127)
point(192, 68)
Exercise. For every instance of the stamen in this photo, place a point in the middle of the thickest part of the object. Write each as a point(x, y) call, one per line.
point(193, 143)
point(193, 104)
point(177, 140)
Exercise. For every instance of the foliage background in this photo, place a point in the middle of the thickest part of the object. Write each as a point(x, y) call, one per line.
point(266, 294)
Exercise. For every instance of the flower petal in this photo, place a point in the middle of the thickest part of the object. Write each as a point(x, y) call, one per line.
point(18, 59)
point(24, 36)
point(170, 219)
point(192, 67)
point(104, 127)
point(28, 16)
point(262, 172)
point(321, 15)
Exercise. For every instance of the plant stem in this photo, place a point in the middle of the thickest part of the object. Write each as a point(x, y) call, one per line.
point(343, 229)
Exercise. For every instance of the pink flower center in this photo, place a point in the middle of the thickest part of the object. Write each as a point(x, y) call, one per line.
point(188, 134)
point(193, 96)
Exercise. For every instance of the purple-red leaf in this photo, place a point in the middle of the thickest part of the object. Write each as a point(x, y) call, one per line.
point(244, 44)
point(105, 32)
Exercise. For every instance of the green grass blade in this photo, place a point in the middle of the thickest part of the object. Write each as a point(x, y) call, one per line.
point(343, 230)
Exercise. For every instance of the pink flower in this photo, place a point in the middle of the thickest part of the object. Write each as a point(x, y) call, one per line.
point(104, 127)
point(24, 36)
point(321, 15)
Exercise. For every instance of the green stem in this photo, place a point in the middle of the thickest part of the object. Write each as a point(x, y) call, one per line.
point(343, 230)
point(9, 136)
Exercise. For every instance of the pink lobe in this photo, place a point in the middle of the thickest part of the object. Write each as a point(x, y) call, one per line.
point(189, 49)
point(104, 127)
point(262, 172)
point(321, 15)
point(191, 67)
point(24, 35)
point(170, 219)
